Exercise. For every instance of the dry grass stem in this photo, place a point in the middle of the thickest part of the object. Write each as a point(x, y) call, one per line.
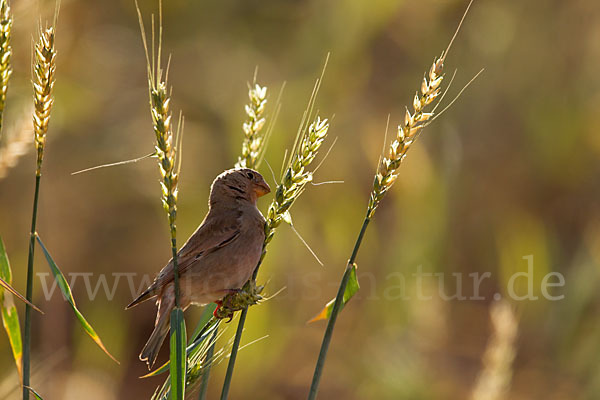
point(5, 53)
point(407, 133)
point(254, 140)
point(494, 380)
point(43, 82)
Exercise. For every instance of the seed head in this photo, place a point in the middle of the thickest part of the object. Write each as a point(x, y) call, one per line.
point(407, 133)
point(253, 141)
point(5, 52)
point(43, 82)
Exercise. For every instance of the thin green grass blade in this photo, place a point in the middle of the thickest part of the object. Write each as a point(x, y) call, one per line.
point(192, 349)
point(198, 362)
point(6, 278)
point(161, 370)
point(351, 289)
point(6, 286)
point(207, 314)
point(207, 365)
point(178, 354)
point(66, 291)
point(10, 317)
point(35, 394)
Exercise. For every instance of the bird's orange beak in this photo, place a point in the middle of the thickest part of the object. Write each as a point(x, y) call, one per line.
point(262, 188)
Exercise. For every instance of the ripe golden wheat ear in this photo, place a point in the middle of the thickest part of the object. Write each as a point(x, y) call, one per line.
point(253, 139)
point(44, 70)
point(5, 53)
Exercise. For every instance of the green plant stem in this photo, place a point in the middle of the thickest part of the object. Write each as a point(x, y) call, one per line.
point(29, 294)
point(181, 357)
point(314, 387)
point(233, 355)
point(236, 341)
point(175, 268)
point(208, 359)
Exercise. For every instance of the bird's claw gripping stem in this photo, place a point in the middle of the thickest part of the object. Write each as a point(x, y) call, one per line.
point(238, 299)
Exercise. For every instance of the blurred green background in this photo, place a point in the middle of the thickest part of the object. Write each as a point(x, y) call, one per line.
point(510, 170)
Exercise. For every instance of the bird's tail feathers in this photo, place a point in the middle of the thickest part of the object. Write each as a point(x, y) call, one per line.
point(146, 295)
point(152, 347)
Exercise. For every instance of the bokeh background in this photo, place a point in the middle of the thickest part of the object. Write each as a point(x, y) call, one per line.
point(510, 170)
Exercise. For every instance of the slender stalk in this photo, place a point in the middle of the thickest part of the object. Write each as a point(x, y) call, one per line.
point(237, 339)
point(175, 269)
point(314, 387)
point(232, 357)
point(168, 154)
point(208, 359)
point(180, 356)
point(29, 294)
point(387, 172)
point(44, 69)
point(206, 324)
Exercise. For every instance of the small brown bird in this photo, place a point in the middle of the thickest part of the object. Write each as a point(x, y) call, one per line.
point(218, 258)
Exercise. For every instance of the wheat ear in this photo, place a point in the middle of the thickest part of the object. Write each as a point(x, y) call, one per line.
point(43, 82)
point(5, 53)
point(253, 140)
point(407, 133)
point(296, 176)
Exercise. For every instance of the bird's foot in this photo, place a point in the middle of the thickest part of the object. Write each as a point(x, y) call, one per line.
point(238, 299)
point(221, 313)
point(219, 304)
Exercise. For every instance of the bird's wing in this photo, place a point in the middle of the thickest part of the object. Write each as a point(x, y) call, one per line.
point(216, 231)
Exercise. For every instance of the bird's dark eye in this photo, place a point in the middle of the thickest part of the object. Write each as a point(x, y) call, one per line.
point(250, 175)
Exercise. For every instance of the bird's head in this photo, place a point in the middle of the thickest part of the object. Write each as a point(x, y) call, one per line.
point(239, 184)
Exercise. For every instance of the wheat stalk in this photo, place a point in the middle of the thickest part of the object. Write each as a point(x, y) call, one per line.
point(44, 69)
point(385, 176)
point(5, 53)
point(168, 154)
point(384, 179)
point(253, 140)
point(43, 82)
